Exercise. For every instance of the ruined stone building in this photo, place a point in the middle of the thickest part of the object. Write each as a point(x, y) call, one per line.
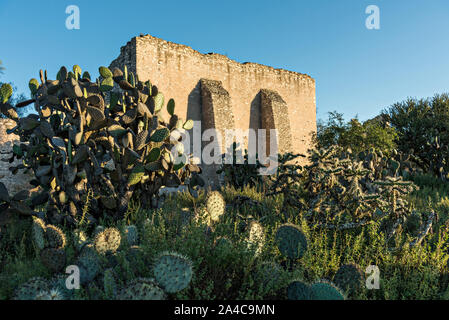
point(224, 94)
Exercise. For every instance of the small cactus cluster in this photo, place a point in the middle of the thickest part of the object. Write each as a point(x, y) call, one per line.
point(320, 290)
point(291, 241)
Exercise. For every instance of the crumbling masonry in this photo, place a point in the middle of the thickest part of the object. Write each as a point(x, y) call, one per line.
point(224, 94)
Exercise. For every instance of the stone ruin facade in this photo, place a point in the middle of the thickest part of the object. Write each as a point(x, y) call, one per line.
point(211, 88)
point(224, 94)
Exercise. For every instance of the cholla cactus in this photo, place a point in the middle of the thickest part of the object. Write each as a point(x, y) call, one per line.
point(347, 190)
point(172, 271)
point(108, 241)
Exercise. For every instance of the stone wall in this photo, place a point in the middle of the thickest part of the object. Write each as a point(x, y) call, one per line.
point(13, 183)
point(177, 71)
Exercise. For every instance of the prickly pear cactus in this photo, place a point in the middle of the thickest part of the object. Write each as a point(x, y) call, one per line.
point(173, 271)
point(99, 135)
point(215, 205)
point(108, 241)
point(88, 263)
point(291, 241)
point(325, 290)
point(298, 290)
point(256, 237)
point(141, 289)
point(38, 233)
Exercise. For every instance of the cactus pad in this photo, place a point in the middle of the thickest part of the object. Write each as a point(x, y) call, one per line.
point(173, 271)
point(38, 233)
point(290, 241)
point(108, 241)
point(298, 290)
point(324, 290)
point(215, 205)
point(55, 237)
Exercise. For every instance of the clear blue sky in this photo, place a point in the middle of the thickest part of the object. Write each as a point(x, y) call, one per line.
point(357, 71)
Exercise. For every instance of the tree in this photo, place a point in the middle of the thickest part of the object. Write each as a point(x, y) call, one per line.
point(422, 127)
point(375, 133)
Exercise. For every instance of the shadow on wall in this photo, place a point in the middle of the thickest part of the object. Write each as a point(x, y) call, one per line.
point(194, 108)
point(254, 119)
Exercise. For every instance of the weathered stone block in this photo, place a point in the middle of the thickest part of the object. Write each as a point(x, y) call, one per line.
point(274, 115)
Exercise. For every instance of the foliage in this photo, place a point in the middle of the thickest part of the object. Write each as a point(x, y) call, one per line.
point(374, 133)
point(422, 130)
